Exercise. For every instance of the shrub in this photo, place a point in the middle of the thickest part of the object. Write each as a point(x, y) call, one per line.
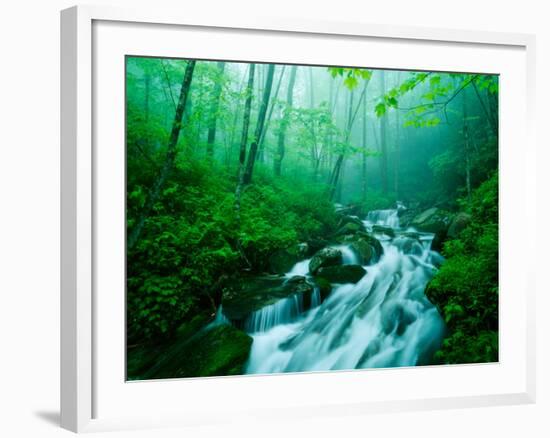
point(465, 289)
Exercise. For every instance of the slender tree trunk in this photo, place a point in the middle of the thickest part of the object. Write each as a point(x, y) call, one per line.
point(335, 177)
point(467, 148)
point(397, 157)
point(352, 114)
point(492, 98)
point(383, 145)
point(259, 126)
point(244, 141)
point(234, 123)
point(169, 160)
point(277, 163)
point(484, 107)
point(147, 95)
point(189, 133)
point(311, 95)
point(143, 143)
point(269, 114)
point(214, 114)
point(340, 181)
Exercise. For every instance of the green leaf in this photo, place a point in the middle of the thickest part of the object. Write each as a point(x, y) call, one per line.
point(392, 101)
point(380, 109)
point(435, 80)
point(350, 82)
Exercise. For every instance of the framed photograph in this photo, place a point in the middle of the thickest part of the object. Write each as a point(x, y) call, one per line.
point(253, 209)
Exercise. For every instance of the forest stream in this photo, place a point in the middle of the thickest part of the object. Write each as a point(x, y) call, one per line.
point(384, 320)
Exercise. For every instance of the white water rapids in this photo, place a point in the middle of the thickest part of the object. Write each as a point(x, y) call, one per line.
point(384, 320)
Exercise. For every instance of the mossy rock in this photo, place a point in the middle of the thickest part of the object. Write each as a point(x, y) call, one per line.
point(249, 294)
point(346, 219)
point(436, 221)
point(432, 220)
point(141, 358)
point(216, 351)
point(363, 250)
point(458, 224)
point(342, 274)
point(349, 228)
point(325, 288)
point(283, 260)
point(383, 230)
point(357, 243)
point(315, 245)
point(325, 257)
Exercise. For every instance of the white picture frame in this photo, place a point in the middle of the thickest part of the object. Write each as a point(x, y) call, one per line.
point(83, 370)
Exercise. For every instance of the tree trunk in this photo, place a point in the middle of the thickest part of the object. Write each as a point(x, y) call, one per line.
point(234, 123)
point(311, 95)
point(383, 145)
point(397, 157)
point(259, 126)
point(244, 141)
point(352, 114)
point(169, 160)
point(269, 114)
point(147, 94)
point(277, 163)
point(335, 177)
point(467, 148)
point(214, 114)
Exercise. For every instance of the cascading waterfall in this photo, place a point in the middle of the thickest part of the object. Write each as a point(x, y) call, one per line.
point(281, 312)
point(220, 318)
point(348, 256)
point(384, 320)
point(300, 268)
point(387, 218)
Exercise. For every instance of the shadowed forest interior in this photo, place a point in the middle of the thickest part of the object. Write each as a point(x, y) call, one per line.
point(285, 218)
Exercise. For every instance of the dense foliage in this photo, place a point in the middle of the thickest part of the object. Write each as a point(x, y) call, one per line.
point(466, 286)
point(192, 241)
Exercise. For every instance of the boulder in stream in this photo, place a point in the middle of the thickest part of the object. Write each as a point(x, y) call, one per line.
point(283, 260)
point(342, 274)
point(367, 248)
point(325, 288)
point(249, 294)
point(383, 230)
point(325, 257)
point(349, 228)
point(314, 245)
point(363, 250)
point(433, 220)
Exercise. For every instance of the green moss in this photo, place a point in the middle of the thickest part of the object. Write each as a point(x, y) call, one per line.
point(252, 293)
point(217, 351)
point(324, 287)
point(141, 358)
point(342, 274)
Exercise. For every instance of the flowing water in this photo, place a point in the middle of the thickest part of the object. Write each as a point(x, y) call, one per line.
point(384, 320)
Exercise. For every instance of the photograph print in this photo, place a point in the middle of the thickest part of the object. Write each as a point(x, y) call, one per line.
point(296, 218)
